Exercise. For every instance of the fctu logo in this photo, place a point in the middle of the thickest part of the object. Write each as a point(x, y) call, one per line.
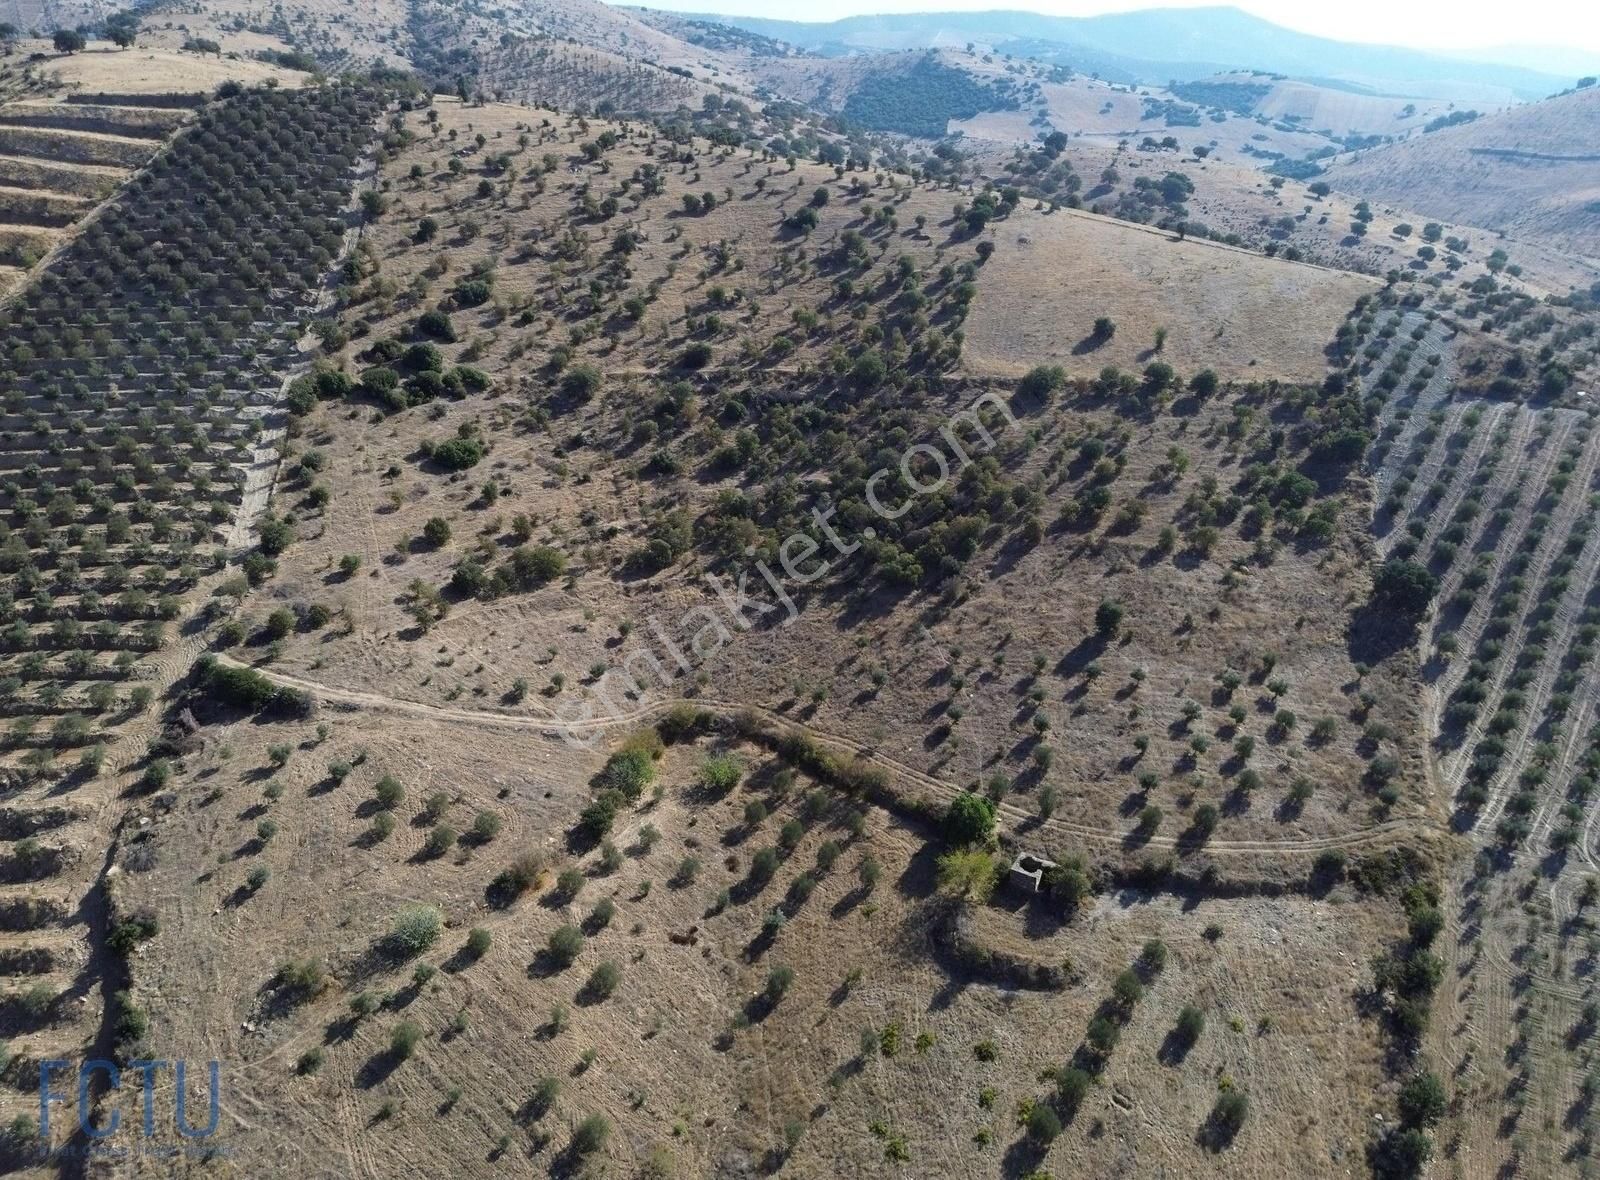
point(47, 1094)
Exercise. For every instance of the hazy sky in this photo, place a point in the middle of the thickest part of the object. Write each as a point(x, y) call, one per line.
point(1422, 24)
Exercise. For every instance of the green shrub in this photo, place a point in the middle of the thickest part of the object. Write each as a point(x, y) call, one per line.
point(458, 454)
point(580, 382)
point(1127, 988)
point(779, 981)
point(628, 771)
point(1072, 1084)
point(404, 1039)
point(564, 945)
point(603, 980)
point(436, 324)
point(721, 773)
point(596, 820)
point(436, 532)
point(969, 819)
point(415, 929)
point(530, 567)
point(1228, 1115)
point(440, 840)
point(390, 794)
point(1422, 1100)
point(764, 864)
point(1042, 381)
point(590, 1135)
point(1044, 1125)
point(1404, 587)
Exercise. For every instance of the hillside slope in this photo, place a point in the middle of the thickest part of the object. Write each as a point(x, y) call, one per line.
point(1162, 43)
point(1532, 171)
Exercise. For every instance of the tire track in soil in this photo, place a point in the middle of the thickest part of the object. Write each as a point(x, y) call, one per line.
point(1430, 468)
point(1521, 446)
point(1495, 998)
point(1419, 405)
point(1477, 1020)
point(1567, 613)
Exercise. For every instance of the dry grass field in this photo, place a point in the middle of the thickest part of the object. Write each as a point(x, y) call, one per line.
point(693, 1068)
point(1232, 310)
point(155, 71)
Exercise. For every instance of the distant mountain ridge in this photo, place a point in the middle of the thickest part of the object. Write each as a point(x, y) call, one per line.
point(1159, 44)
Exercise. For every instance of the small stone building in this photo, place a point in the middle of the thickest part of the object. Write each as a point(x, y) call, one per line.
point(1027, 872)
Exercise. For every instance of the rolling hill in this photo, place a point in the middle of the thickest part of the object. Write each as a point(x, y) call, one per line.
point(1532, 171)
point(1155, 45)
point(594, 594)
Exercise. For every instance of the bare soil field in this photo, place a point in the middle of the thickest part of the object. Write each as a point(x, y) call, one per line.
point(155, 71)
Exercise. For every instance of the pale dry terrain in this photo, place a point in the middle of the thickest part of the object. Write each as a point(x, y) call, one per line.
point(1531, 172)
point(593, 505)
point(154, 70)
point(1343, 112)
point(1135, 622)
point(1232, 310)
point(685, 1060)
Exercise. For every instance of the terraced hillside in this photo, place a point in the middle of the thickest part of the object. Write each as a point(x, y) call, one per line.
point(1498, 501)
point(58, 159)
point(722, 645)
point(578, 369)
point(140, 370)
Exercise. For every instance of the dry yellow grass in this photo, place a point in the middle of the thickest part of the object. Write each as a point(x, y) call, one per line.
point(677, 1069)
point(680, 1071)
point(1235, 311)
point(1344, 112)
point(155, 71)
